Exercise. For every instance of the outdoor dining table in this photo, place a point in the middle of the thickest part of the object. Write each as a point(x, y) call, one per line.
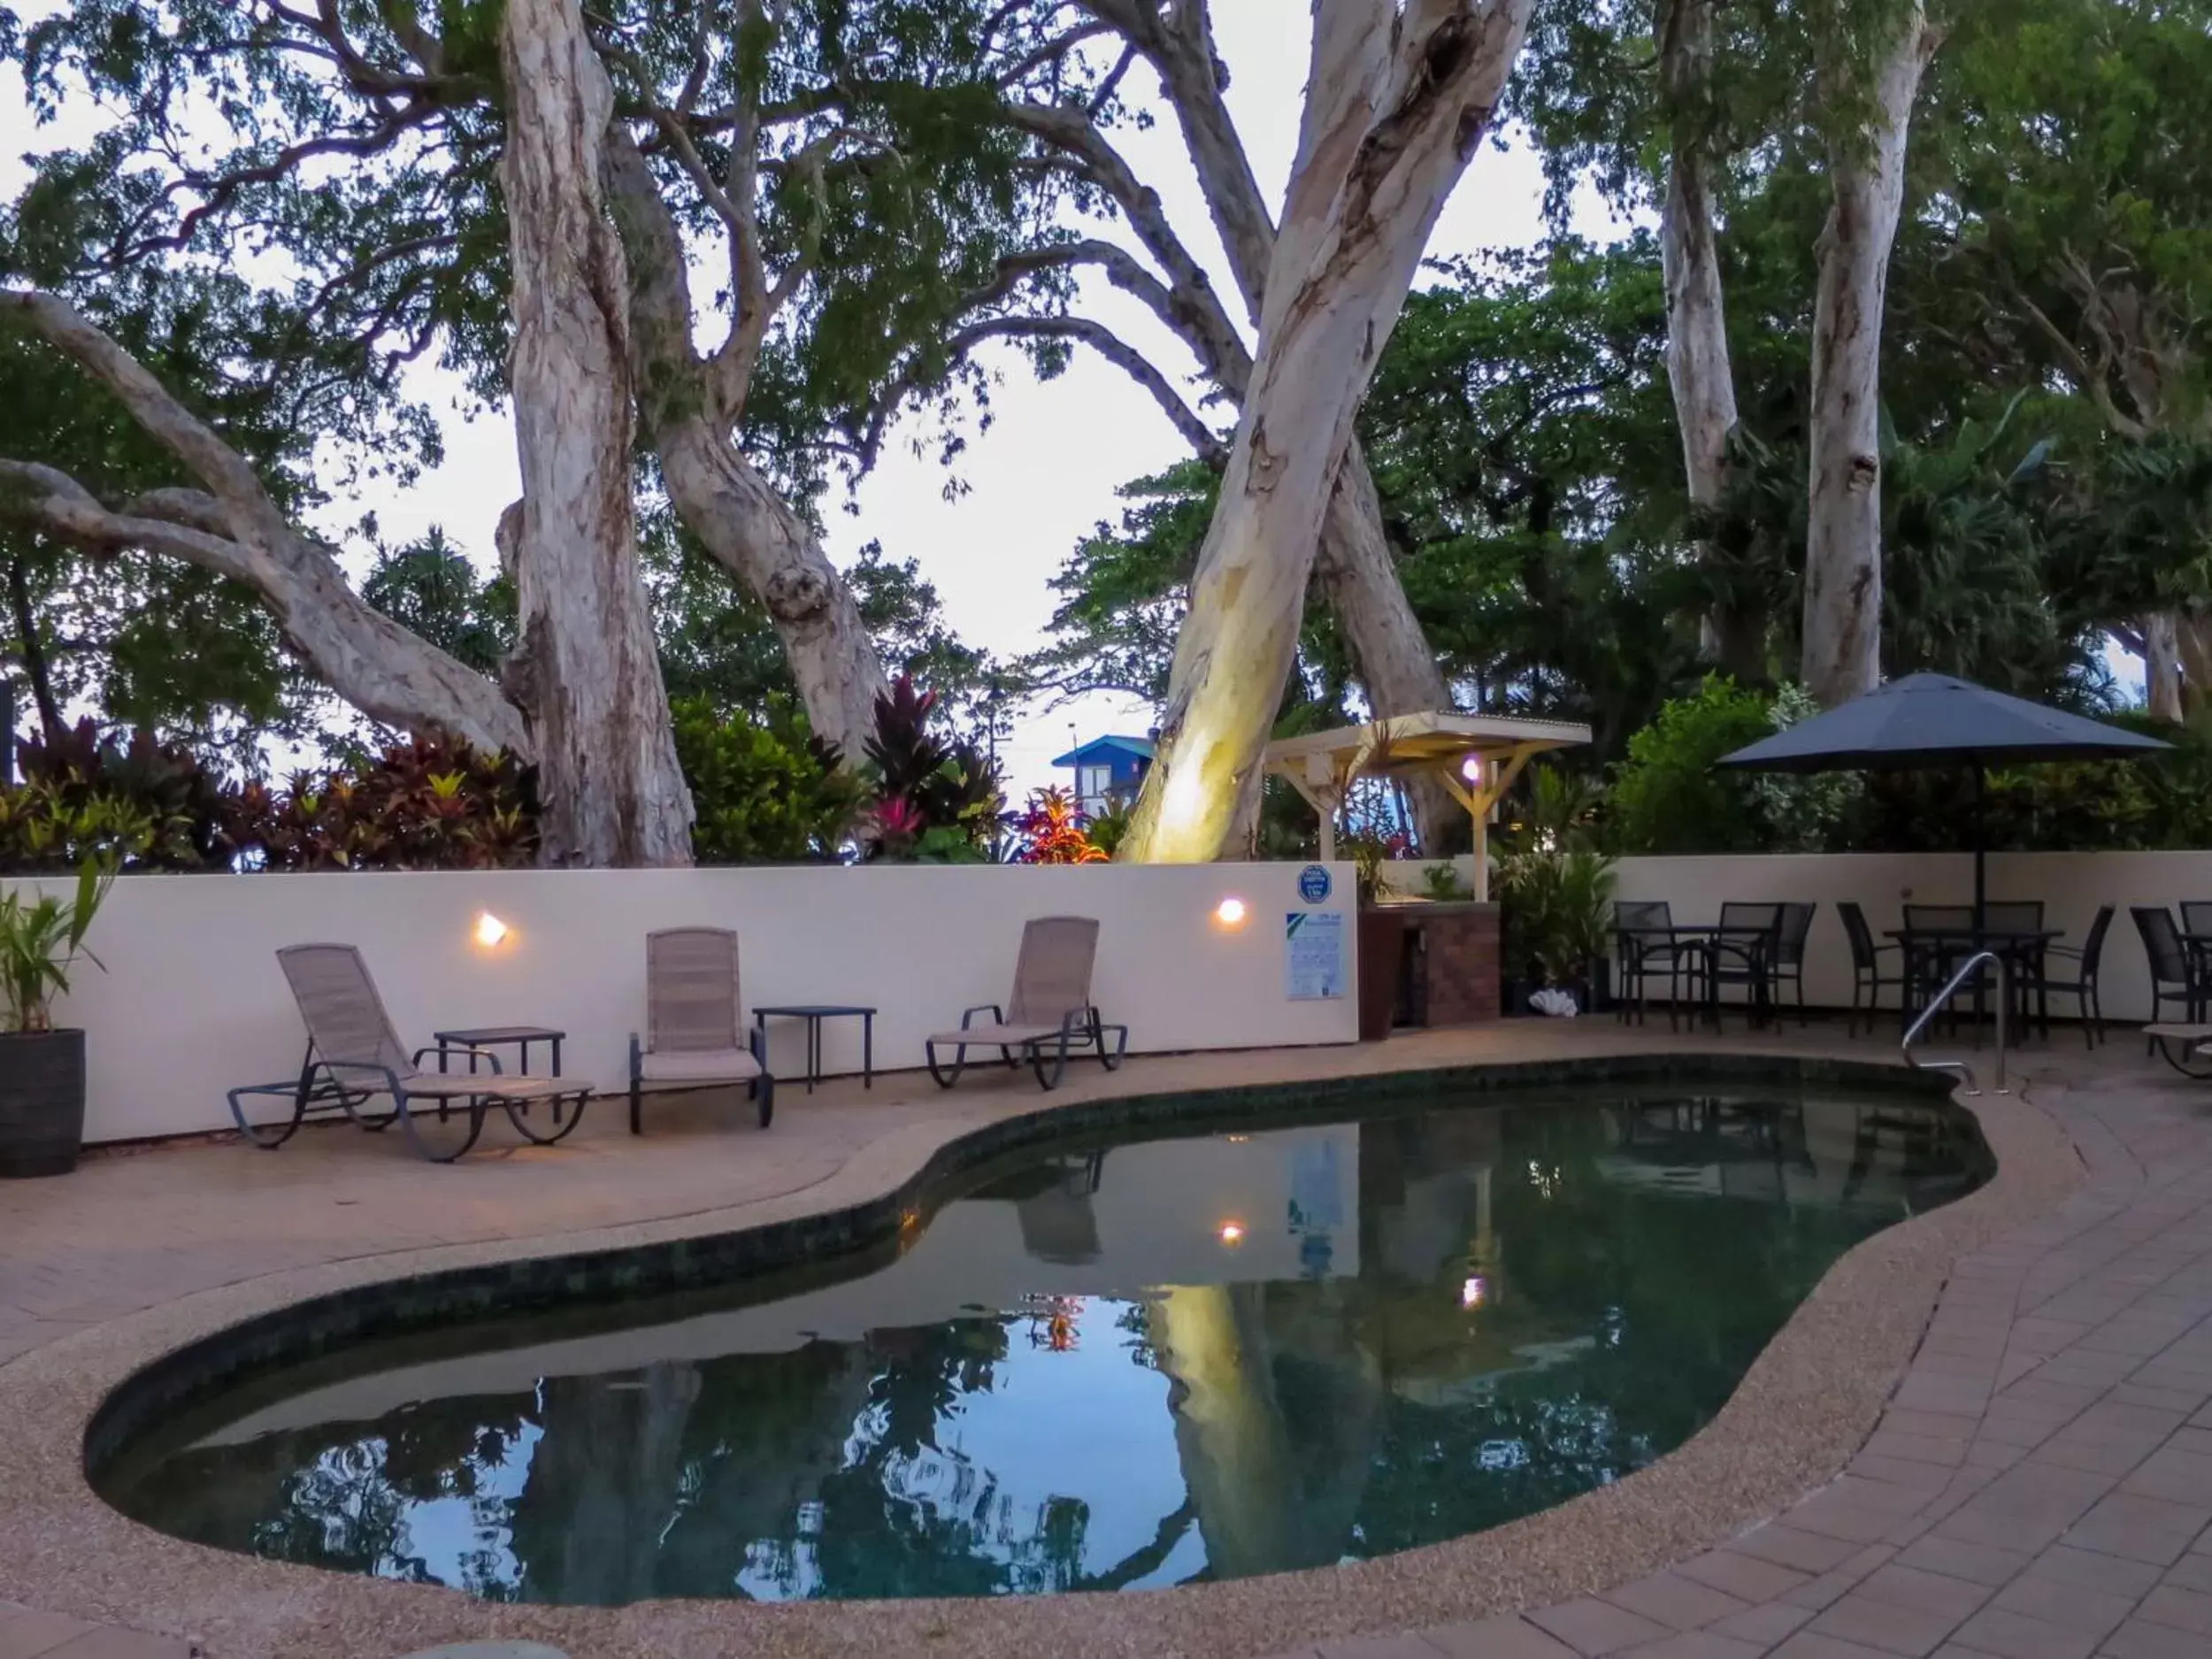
point(1707, 937)
point(2022, 949)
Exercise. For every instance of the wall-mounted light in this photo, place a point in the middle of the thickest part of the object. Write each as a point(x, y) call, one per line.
point(1471, 769)
point(1230, 1232)
point(1474, 1292)
point(489, 930)
point(1229, 914)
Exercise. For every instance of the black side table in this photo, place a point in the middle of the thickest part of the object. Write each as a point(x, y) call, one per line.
point(814, 1014)
point(518, 1037)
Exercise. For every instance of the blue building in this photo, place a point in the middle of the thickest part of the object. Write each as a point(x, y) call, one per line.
point(1107, 770)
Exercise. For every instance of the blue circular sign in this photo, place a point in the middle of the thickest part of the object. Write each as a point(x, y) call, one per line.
point(1313, 883)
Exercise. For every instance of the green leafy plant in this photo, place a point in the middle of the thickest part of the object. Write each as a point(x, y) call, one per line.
point(764, 791)
point(1667, 798)
point(1441, 882)
point(1105, 830)
point(41, 941)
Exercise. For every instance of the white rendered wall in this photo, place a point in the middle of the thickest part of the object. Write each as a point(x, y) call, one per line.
point(193, 1003)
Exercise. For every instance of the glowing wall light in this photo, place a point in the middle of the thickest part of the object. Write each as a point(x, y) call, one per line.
point(1474, 1292)
point(1230, 913)
point(1471, 769)
point(1230, 1232)
point(489, 930)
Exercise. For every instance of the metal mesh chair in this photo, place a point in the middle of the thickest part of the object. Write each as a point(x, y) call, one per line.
point(1050, 1008)
point(1867, 978)
point(695, 1036)
point(2087, 958)
point(1644, 947)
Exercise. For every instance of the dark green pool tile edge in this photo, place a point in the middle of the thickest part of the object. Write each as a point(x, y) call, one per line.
point(321, 1325)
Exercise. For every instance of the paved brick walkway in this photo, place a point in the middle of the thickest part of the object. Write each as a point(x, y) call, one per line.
point(2040, 1486)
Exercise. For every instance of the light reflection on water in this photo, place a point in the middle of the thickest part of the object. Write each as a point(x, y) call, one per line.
point(1118, 1368)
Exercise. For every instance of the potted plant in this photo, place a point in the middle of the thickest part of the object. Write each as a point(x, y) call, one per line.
point(41, 1070)
point(1555, 893)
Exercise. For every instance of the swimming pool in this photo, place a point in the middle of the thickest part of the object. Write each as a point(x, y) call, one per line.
point(1113, 1365)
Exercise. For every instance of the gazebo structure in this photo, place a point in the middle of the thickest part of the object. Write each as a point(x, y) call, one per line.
point(1475, 756)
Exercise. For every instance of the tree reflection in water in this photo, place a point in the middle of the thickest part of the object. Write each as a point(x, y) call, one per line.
point(1344, 1396)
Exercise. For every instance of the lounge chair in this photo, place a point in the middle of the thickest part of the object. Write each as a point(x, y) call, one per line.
point(1050, 1011)
point(353, 1055)
point(695, 1036)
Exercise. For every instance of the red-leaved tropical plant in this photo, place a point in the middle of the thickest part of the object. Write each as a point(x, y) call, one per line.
point(1050, 831)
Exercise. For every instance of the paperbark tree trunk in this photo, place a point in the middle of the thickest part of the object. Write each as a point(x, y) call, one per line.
point(1394, 106)
point(1843, 547)
point(722, 498)
point(234, 529)
point(1698, 371)
point(2161, 665)
point(586, 670)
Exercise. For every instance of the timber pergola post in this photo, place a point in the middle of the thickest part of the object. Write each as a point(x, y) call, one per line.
point(1475, 756)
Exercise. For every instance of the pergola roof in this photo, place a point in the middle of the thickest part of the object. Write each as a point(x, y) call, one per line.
point(1420, 741)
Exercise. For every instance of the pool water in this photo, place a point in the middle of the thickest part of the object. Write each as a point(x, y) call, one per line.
point(1118, 1366)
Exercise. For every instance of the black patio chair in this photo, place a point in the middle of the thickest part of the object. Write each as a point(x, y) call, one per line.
point(2171, 967)
point(2082, 987)
point(1867, 978)
point(1788, 962)
point(1644, 951)
point(1742, 951)
point(1938, 936)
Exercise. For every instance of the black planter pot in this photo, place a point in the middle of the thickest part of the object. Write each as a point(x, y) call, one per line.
point(42, 1101)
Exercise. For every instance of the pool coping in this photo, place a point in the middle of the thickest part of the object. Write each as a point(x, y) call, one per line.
point(1803, 1408)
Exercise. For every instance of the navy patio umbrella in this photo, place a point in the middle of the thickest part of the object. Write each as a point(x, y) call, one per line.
point(1925, 721)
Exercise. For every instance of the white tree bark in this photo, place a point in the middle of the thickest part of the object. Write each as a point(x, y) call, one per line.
point(586, 669)
point(1843, 551)
point(1698, 368)
point(2161, 665)
point(235, 529)
point(737, 514)
point(1394, 106)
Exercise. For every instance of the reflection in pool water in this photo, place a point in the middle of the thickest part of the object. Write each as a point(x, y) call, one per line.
point(1120, 1367)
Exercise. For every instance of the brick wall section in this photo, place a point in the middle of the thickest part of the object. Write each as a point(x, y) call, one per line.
point(1462, 953)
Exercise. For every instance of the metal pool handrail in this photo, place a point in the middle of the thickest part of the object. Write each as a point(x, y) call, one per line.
point(1967, 969)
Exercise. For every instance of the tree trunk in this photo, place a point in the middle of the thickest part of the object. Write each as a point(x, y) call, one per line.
point(736, 514)
point(1843, 547)
point(1391, 120)
point(2192, 634)
point(36, 669)
point(1358, 579)
point(235, 530)
point(2161, 665)
point(741, 520)
point(587, 671)
point(1698, 367)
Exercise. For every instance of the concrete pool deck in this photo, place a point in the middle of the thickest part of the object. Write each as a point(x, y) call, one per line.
point(1990, 1407)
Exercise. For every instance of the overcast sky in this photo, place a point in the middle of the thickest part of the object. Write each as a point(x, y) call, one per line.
point(1046, 471)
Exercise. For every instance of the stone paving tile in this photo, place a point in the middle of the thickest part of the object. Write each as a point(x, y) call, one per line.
point(1591, 1626)
point(2075, 1607)
point(1509, 1638)
point(2183, 1610)
point(1902, 1610)
point(1698, 1644)
point(2064, 1564)
point(2139, 1639)
point(27, 1633)
point(2010, 1635)
point(1988, 1564)
point(1744, 1577)
point(2140, 1529)
point(1678, 1603)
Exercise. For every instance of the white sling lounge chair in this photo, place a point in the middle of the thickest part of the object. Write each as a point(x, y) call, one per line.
point(1049, 1013)
point(695, 1036)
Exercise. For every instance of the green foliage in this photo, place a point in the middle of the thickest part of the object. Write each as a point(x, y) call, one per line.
point(1441, 883)
point(430, 587)
point(1802, 813)
point(764, 791)
point(40, 940)
point(1105, 830)
point(1556, 906)
point(1666, 797)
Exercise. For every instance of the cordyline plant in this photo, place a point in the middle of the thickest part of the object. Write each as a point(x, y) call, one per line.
point(1051, 831)
point(937, 799)
point(40, 940)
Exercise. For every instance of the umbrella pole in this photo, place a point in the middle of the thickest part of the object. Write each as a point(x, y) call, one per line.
point(1981, 855)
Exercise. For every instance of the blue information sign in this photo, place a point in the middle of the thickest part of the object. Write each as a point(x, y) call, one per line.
point(1313, 883)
